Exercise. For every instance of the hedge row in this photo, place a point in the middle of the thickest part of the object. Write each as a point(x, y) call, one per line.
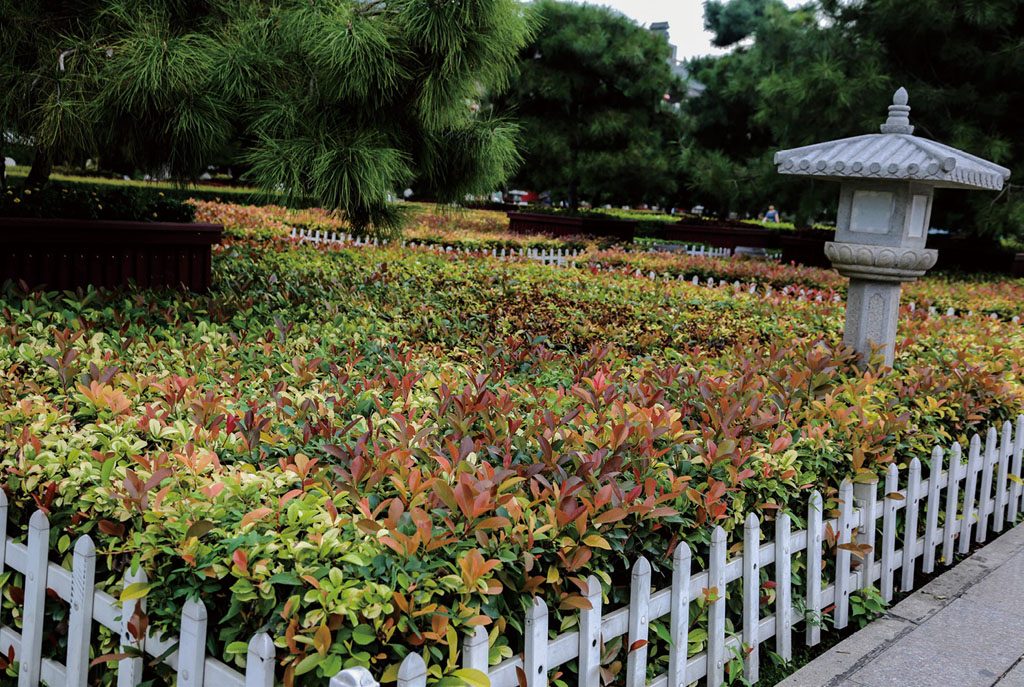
point(368, 451)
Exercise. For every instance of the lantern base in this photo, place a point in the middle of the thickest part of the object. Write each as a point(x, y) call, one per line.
point(871, 311)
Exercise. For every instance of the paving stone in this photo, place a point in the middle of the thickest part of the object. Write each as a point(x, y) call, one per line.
point(966, 644)
point(828, 669)
point(1004, 547)
point(1003, 588)
point(1014, 678)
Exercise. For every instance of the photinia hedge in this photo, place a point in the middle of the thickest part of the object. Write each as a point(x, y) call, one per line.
point(367, 451)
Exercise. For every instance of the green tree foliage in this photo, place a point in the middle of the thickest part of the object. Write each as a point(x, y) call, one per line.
point(341, 100)
point(828, 69)
point(732, 21)
point(590, 95)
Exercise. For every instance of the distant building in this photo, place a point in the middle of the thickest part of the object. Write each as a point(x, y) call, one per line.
point(693, 87)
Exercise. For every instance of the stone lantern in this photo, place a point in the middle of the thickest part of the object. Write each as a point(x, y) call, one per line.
point(887, 183)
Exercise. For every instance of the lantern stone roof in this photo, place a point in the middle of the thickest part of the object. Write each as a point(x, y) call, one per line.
point(893, 154)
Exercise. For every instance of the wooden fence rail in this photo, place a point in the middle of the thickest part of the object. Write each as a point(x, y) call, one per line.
point(991, 499)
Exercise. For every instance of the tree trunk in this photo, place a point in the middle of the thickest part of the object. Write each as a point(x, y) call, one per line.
point(574, 182)
point(42, 165)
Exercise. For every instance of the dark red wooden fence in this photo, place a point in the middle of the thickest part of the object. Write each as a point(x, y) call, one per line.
point(65, 254)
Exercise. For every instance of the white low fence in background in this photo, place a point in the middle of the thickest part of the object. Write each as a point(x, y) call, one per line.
point(549, 256)
point(989, 500)
point(570, 258)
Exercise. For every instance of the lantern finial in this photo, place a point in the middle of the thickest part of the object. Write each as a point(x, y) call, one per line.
point(899, 119)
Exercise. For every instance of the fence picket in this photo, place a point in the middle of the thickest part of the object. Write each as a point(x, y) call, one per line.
point(412, 672)
point(3, 533)
point(353, 677)
point(889, 506)
point(783, 589)
point(83, 582)
point(639, 607)
point(812, 634)
point(970, 487)
point(985, 502)
point(1015, 469)
point(931, 511)
point(129, 670)
point(751, 596)
point(33, 619)
point(192, 644)
point(998, 518)
point(679, 621)
point(259, 661)
point(716, 610)
point(843, 536)
point(910, 524)
point(535, 654)
point(590, 636)
point(953, 473)
point(475, 650)
point(865, 498)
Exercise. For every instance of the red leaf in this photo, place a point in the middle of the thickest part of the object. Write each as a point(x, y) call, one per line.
point(114, 529)
point(241, 560)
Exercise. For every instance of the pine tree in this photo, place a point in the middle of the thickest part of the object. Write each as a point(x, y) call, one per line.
point(341, 100)
point(827, 70)
point(590, 95)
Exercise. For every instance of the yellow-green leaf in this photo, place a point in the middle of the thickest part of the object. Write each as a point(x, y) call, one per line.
point(322, 639)
point(135, 590)
point(473, 677)
point(390, 673)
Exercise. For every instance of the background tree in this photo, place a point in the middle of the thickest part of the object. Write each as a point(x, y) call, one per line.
point(828, 69)
point(589, 95)
point(963, 64)
point(341, 100)
point(744, 115)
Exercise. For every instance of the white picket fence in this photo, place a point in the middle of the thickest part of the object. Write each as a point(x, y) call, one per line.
point(550, 256)
point(77, 587)
point(980, 512)
point(989, 500)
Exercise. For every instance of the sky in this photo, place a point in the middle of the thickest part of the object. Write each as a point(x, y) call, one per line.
point(685, 22)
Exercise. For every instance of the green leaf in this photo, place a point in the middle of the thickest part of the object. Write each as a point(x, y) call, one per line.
point(309, 663)
point(284, 578)
point(363, 634)
point(662, 632)
point(355, 559)
point(107, 469)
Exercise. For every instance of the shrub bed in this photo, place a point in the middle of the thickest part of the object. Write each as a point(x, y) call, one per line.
point(99, 203)
point(367, 451)
point(485, 230)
